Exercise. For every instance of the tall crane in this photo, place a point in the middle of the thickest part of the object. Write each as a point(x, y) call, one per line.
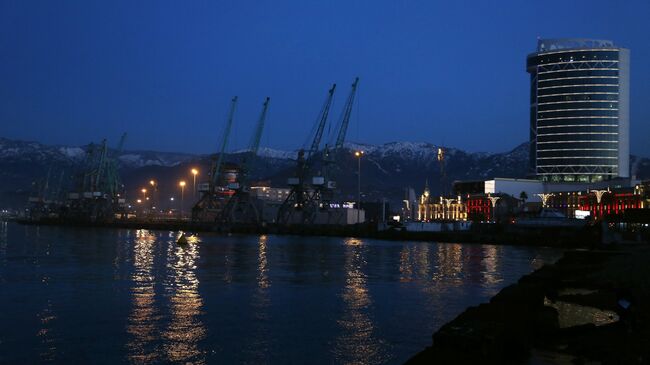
point(322, 120)
point(113, 178)
point(251, 152)
point(241, 207)
point(345, 119)
point(300, 199)
point(211, 204)
point(97, 196)
point(325, 189)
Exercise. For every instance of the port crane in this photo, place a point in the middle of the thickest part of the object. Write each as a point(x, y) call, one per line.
point(311, 197)
point(97, 196)
point(299, 204)
point(324, 189)
point(242, 208)
point(210, 205)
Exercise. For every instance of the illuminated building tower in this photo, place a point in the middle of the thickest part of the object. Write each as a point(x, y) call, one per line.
point(579, 110)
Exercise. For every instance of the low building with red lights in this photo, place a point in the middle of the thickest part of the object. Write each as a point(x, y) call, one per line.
point(599, 203)
point(502, 199)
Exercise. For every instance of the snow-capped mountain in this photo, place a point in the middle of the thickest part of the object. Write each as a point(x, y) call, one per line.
point(17, 151)
point(386, 170)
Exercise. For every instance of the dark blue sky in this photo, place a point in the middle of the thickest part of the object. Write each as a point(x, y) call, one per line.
point(449, 72)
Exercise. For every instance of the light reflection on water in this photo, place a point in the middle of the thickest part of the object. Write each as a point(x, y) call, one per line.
point(136, 296)
point(181, 285)
point(157, 335)
point(3, 244)
point(357, 342)
point(47, 347)
point(257, 350)
point(143, 323)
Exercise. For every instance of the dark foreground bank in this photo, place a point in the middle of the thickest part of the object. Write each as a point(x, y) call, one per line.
point(589, 306)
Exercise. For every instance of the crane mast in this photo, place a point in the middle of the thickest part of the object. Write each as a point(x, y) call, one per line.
point(325, 190)
point(209, 206)
point(254, 146)
point(215, 170)
point(299, 201)
point(112, 173)
point(242, 208)
point(322, 121)
point(97, 196)
point(345, 120)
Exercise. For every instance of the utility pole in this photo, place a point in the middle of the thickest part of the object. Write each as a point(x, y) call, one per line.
point(358, 154)
point(182, 185)
point(194, 173)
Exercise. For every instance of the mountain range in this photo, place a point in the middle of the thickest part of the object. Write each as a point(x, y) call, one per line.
point(387, 170)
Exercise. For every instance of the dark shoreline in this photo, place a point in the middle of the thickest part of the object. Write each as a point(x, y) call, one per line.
point(591, 305)
point(497, 234)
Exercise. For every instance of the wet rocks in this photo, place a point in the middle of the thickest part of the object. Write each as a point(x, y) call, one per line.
point(569, 310)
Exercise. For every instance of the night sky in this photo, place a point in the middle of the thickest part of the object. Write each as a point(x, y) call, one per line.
point(450, 72)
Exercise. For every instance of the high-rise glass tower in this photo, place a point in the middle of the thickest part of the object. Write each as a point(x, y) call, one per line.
point(579, 110)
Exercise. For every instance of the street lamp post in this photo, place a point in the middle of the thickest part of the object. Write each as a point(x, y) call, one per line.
point(182, 185)
point(144, 200)
point(358, 155)
point(493, 201)
point(154, 189)
point(194, 173)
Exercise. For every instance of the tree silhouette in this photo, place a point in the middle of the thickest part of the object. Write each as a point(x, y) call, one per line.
point(523, 196)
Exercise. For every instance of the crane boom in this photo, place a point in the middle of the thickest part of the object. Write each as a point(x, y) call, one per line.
point(101, 167)
point(257, 137)
point(216, 168)
point(321, 123)
point(255, 142)
point(112, 176)
point(242, 207)
point(120, 146)
point(345, 120)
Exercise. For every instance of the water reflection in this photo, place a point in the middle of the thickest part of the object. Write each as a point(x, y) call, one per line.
point(185, 329)
point(276, 299)
point(262, 276)
point(450, 264)
point(406, 264)
point(3, 243)
point(491, 272)
point(357, 342)
point(45, 333)
point(143, 320)
point(259, 346)
point(122, 251)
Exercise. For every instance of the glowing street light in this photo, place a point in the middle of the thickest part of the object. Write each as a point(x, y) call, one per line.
point(358, 155)
point(194, 173)
point(144, 193)
point(182, 185)
point(154, 190)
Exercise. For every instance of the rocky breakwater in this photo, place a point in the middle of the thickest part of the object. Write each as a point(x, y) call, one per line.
point(589, 307)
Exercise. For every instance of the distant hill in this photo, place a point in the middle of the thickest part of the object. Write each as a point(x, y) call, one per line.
point(387, 170)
